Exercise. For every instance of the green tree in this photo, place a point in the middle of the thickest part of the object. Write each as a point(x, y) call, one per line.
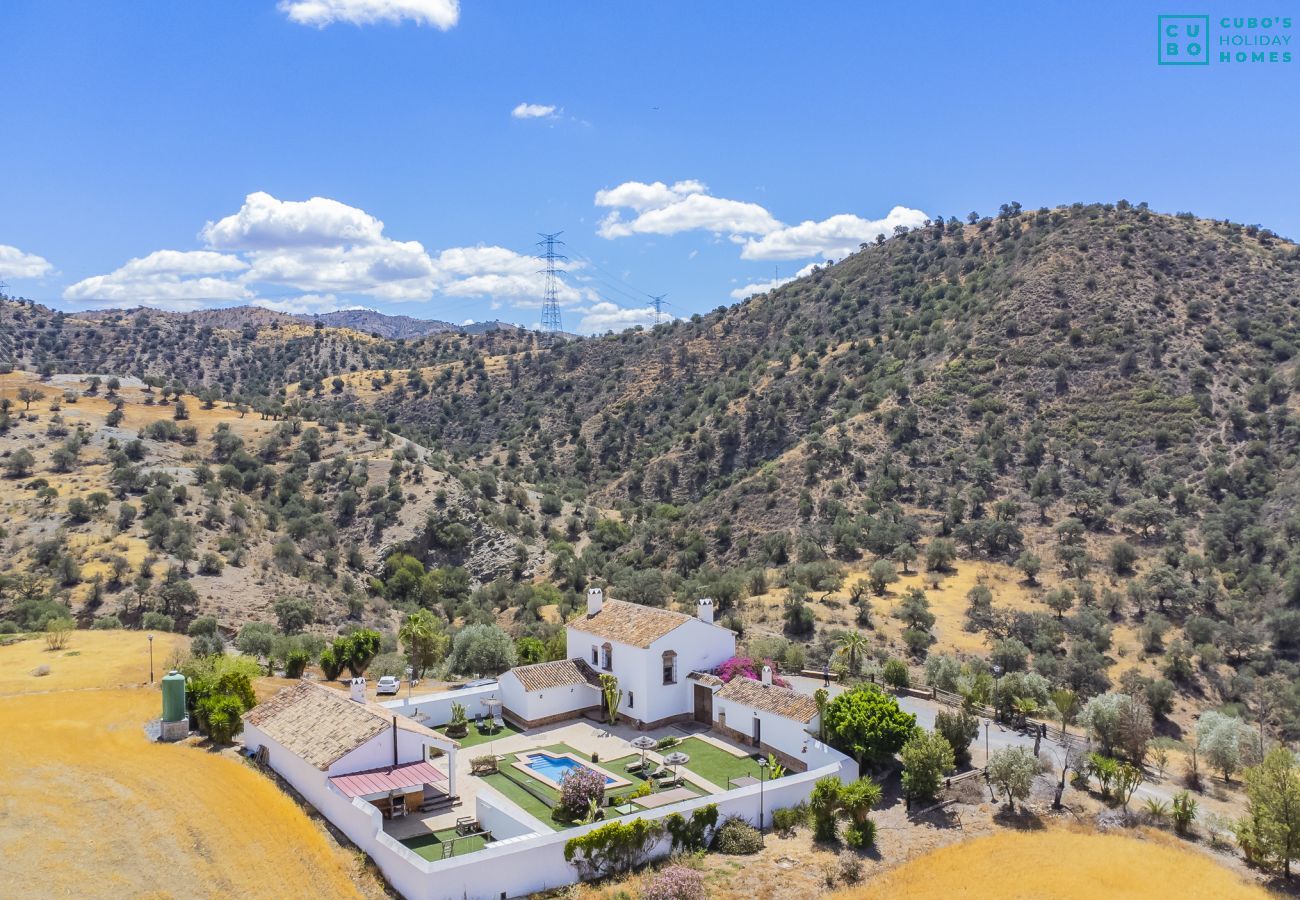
point(958, 728)
point(824, 802)
point(867, 724)
point(1012, 770)
point(881, 576)
point(20, 462)
point(357, 650)
point(481, 650)
point(853, 647)
point(927, 758)
point(426, 644)
point(1273, 794)
point(940, 554)
point(857, 800)
point(294, 614)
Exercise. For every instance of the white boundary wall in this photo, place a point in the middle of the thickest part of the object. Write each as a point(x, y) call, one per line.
point(437, 706)
point(521, 863)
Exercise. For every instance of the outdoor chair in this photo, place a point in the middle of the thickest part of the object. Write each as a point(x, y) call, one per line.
point(635, 766)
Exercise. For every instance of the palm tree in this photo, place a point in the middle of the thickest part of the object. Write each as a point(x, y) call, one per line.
point(421, 635)
point(853, 647)
point(1024, 707)
point(1065, 701)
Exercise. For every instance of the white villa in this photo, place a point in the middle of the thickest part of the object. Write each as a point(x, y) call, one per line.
point(391, 783)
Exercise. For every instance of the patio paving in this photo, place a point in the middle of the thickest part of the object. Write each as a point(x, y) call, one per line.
point(663, 798)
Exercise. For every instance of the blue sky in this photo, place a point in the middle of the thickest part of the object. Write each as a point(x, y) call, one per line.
point(709, 132)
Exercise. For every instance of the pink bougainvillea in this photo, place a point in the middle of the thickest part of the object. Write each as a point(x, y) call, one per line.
point(745, 667)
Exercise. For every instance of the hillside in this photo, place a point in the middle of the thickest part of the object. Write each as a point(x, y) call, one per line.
point(1089, 411)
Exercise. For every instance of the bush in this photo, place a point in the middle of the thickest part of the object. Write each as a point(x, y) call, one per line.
point(927, 758)
point(867, 724)
point(787, 819)
point(580, 788)
point(737, 837)
point(57, 632)
point(296, 663)
point(860, 836)
point(107, 623)
point(388, 664)
point(330, 665)
point(674, 883)
point(851, 863)
point(223, 714)
point(958, 728)
point(156, 621)
point(895, 673)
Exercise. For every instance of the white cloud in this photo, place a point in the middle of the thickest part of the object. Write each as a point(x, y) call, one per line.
point(14, 263)
point(605, 316)
point(265, 222)
point(533, 111)
point(441, 14)
point(325, 249)
point(684, 206)
point(167, 279)
point(834, 237)
point(762, 287)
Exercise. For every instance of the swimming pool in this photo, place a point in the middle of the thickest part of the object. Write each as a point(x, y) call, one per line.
point(554, 768)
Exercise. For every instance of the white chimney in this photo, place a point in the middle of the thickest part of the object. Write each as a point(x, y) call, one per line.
point(767, 676)
point(359, 690)
point(595, 600)
point(704, 606)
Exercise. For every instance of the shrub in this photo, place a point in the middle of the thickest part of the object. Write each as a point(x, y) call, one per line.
point(867, 724)
point(579, 788)
point(860, 836)
point(691, 834)
point(787, 819)
point(330, 666)
point(927, 758)
point(388, 664)
point(737, 837)
point(296, 663)
point(156, 621)
point(958, 728)
point(616, 847)
point(895, 673)
point(674, 883)
point(107, 623)
point(1183, 812)
point(744, 666)
point(851, 863)
point(824, 802)
point(223, 715)
point(57, 632)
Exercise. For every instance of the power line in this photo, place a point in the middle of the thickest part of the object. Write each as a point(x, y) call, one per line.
point(551, 323)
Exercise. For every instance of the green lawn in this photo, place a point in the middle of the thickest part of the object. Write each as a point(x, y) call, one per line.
point(432, 846)
point(714, 764)
point(476, 738)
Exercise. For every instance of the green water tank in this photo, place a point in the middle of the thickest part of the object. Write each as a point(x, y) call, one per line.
point(173, 691)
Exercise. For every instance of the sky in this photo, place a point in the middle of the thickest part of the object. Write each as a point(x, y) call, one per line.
point(404, 155)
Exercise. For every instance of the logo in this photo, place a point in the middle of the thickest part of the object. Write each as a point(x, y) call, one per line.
point(1184, 40)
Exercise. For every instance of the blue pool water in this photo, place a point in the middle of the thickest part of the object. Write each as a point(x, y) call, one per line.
point(556, 767)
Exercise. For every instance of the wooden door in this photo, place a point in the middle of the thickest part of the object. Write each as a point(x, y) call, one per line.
point(703, 704)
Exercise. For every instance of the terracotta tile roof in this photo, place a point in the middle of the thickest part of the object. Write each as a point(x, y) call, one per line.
point(322, 725)
point(769, 698)
point(630, 623)
point(560, 673)
point(707, 678)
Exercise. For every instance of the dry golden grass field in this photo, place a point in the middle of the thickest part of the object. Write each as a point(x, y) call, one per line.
point(1063, 864)
point(90, 808)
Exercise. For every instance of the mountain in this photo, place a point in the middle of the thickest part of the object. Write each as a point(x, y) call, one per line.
point(381, 325)
point(1101, 396)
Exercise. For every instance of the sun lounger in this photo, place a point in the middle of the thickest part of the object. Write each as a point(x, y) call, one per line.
point(635, 766)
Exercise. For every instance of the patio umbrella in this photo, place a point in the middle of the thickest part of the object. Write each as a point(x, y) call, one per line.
point(675, 759)
point(644, 743)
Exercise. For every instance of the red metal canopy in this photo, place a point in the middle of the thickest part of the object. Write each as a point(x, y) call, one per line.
point(389, 778)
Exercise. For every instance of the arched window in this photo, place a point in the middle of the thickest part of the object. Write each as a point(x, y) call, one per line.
point(670, 667)
point(606, 656)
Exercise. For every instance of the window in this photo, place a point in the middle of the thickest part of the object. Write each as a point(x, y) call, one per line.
point(607, 657)
point(595, 655)
point(631, 699)
point(670, 667)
